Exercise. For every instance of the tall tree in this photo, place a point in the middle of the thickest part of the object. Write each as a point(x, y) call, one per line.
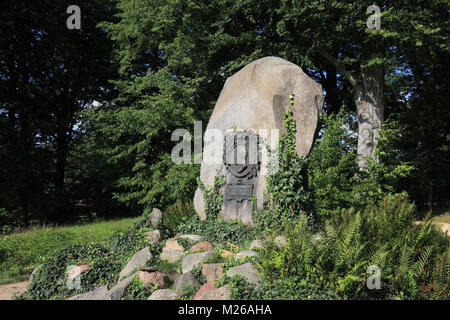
point(48, 73)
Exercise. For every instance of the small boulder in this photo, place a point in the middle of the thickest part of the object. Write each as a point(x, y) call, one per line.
point(317, 238)
point(171, 255)
point(194, 260)
point(223, 293)
point(118, 291)
point(77, 271)
point(191, 237)
point(138, 260)
point(153, 236)
point(100, 293)
point(172, 244)
point(202, 247)
point(155, 217)
point(185, 281)
point(149, 279)
point(246, 253)
point(226, 254)
point(33, 274)
point(257, 244)
point(164, 294)
point(247, 270)
point(209, 286)
point(212, 271)
point(280, 241)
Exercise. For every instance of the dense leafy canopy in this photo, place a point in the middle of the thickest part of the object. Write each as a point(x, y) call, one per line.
point(86, 115)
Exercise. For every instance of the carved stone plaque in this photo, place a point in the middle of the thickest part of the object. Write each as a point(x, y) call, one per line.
point(239, 192)
point(242, 163)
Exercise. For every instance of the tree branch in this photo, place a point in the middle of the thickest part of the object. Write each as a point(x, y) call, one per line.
point(339, 66)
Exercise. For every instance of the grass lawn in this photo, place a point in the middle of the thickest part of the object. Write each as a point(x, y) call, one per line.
point(21, 252)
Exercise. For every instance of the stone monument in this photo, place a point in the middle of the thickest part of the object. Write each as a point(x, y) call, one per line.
point(249, 115)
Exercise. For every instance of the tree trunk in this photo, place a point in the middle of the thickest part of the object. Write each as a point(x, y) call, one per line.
point(369, 99)
point(61, 159)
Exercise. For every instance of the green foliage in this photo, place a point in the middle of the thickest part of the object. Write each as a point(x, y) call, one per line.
point(293, 288)
point(177, 214)
point(197, 273)
point(387, 172)
point(50, 280)
point(218, 230)
point(334, 177)
point(287, 185)
point(332, 166)
point(136, 291)
point(21, 252)
point(212, 196)
point(413, 258)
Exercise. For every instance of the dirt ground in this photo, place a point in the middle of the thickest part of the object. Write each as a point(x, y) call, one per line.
point(445, 227)
point(7, 291)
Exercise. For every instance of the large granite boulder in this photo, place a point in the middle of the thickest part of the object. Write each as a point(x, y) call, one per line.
point(100, 293)
point(194, 260)
point(138, 260)
point(246, 270)
point(255, 99)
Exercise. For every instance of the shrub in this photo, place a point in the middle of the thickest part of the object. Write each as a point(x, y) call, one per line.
point(332, 166)
point(136, 291)
point(287, 186)
point(178, 213)
point(106, 261)
point(217, 230)
point(413, 259)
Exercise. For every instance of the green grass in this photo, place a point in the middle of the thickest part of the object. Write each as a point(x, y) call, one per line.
point(445, 218)
point(21, 252)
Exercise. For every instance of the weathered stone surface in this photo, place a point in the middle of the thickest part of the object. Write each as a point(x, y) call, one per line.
point(77, 271)
point(202, 246)
point(199, 204)
point(164, 294)
point(226, 254)
point(155, 217)
point(172, 244)
point(191, 237)
point(194, 260)
point(118, 291)
point(246, 270)
point(246, 253)
point(255, 98)
point(149, 279)
point(101, 293)
point(256, 244)
point(138, 260)
point(171, 255)
point(209, 286)
point(33, 274)
point(223, 293)
point(185, 281)
point(280, 241)
point(153, 236)
point(212, 271)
